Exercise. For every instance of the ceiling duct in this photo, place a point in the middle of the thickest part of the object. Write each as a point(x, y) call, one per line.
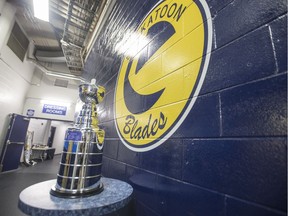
point(80, 23)
point(61, 83)
point(61, 46)
point(50, 56)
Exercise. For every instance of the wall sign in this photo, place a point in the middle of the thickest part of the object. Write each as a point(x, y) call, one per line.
point(54, 109)
point(30, 112)
point(157, 87)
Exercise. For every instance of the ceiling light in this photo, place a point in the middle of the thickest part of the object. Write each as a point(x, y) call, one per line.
point(41, 9)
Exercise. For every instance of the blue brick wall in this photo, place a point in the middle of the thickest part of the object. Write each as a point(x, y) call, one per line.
point(229, 156)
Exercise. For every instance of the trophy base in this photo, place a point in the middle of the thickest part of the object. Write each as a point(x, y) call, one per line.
point(72, 194)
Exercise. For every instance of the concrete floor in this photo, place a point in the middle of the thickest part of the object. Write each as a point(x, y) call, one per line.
point(13, 182)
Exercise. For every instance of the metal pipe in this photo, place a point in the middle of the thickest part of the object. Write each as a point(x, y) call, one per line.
point(55, 73)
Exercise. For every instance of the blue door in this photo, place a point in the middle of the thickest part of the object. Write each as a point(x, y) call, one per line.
point(14, 142)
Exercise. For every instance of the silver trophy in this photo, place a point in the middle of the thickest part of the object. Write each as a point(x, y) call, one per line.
point(80, 167)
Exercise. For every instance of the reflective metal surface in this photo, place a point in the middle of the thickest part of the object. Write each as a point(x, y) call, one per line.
point(80, 167)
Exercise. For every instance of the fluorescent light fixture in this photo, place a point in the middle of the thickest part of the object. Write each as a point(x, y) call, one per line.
point(66, 76)
point(41, 9)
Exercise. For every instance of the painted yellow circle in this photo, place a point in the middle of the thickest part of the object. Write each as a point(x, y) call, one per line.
point(177, 68)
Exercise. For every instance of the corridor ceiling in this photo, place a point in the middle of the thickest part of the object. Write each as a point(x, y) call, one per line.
point(61, 45)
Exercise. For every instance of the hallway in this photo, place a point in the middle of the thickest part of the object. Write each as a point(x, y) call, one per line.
point(186, 101)
point(12, 183)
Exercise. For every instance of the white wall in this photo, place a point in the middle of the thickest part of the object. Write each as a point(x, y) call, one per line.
point(6, 21)
point(2, 2)
point(44, 92)
point(39, 127)
point(15, 75)
point(58, 141)
point(20, 90)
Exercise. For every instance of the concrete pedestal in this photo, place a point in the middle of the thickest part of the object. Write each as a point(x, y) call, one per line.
point(36, 200)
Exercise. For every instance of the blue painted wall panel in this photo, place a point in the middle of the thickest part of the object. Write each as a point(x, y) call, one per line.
point(114, 169)
point(143, 184)
point(202, 122)
point(215, 6)
point(167, 159)
point(236, 207)
point(110, 130)
point(279, 34)
point(239, 62)
point(256, 109)
point(245, 16)
point(252, 169)
point(127, 156)
point(177, 198)
point(142, 210)
point(229, 155)
point(111, 148)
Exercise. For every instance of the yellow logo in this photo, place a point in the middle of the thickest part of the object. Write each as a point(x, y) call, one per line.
point(164, 66)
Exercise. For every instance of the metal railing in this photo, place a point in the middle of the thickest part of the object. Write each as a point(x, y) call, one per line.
point(81, 19)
